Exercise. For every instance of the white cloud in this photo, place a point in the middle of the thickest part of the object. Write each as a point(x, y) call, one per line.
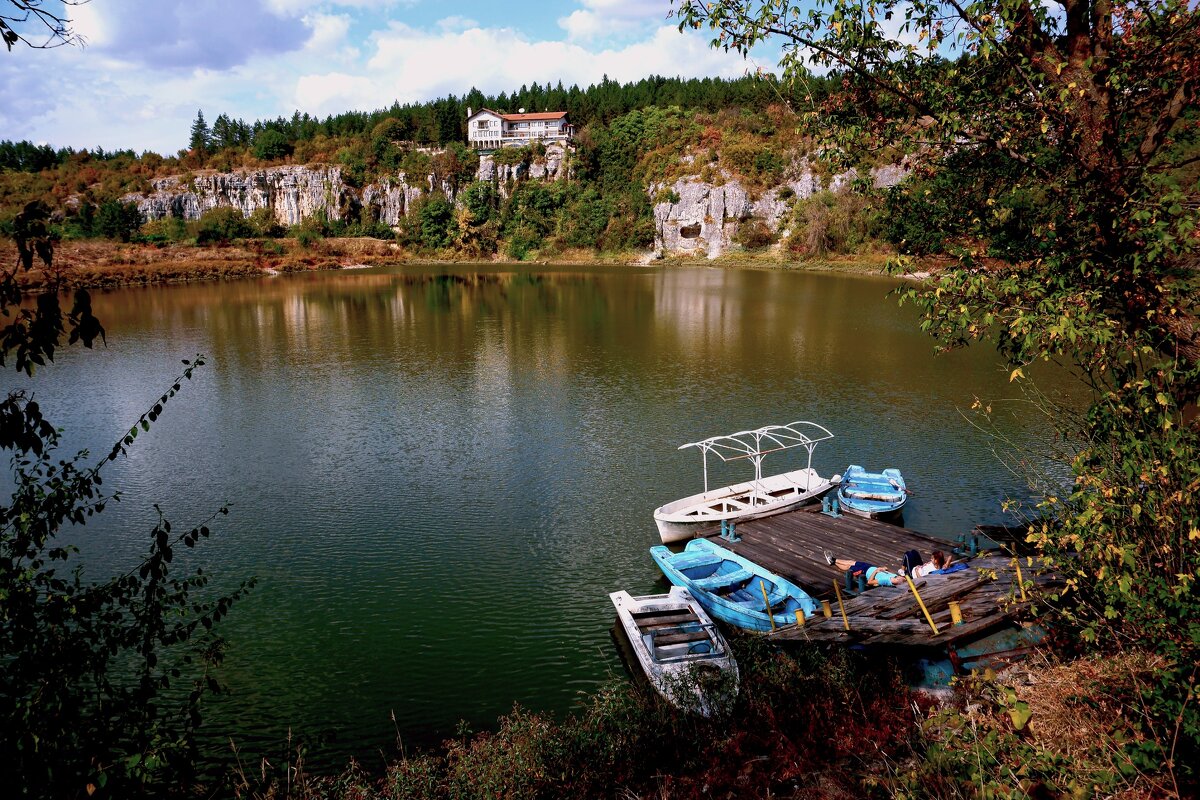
point(400, 68)
point(298, 7)
point(582, 25)
point(456, 23)
point(104, 95)
point(601, 19)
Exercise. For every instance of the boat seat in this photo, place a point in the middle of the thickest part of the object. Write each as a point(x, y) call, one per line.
point(751, 596)
point(681, 638)
point(682, 562)
point(715, 583)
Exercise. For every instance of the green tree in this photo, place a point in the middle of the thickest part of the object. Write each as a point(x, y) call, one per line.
point(271, 145)
point(117, 220)
point(1071, 127)
point(200, 140)
point(480, 198)
point(435, 216)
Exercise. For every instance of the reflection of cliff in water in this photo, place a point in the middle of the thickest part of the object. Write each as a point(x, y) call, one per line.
point(722, 328)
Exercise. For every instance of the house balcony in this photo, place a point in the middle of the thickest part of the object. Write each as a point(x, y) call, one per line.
point(493, 140)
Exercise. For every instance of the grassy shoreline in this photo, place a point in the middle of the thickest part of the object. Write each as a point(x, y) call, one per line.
point(104, 264)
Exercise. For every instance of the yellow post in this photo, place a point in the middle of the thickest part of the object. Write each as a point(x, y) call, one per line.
point(826, 609)
point(799, 616)
point(955, 613)
point(841, 605)
point(767, 602)
point(1020, 581)
point(921, 603)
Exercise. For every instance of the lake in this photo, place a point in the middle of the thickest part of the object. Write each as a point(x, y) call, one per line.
point(439, 473)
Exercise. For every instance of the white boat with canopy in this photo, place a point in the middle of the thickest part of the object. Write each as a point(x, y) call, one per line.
point(760, 497)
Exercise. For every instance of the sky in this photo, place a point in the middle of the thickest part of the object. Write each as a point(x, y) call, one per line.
point(150, 65)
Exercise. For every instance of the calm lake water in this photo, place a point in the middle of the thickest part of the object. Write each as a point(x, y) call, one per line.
point(439, 474)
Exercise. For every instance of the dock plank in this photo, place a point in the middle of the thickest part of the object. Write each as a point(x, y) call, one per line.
point(792, 545)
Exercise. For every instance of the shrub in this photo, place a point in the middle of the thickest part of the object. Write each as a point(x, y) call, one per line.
point(222, 224)
point(480, 198)
point(168, 229)
point(435, 216)
point(753, 234)
point(271, 145)
point(117, 220)
point(511, 156)
point(263, 224)
point(416, 164)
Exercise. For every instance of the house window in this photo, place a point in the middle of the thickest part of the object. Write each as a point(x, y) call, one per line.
point(481, 125)
point(523, 125)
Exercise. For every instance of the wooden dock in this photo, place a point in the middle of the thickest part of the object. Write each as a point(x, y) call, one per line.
point(792, 545)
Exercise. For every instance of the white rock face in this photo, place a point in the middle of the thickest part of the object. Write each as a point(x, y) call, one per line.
point(551, 168)
point(707, 217)
point(292, 193)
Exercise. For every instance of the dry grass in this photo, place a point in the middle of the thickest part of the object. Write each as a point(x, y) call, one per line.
point(109, 264)
point(1088, 711)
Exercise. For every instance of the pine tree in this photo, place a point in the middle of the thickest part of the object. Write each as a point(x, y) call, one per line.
point(223, 134)
point(201, 139)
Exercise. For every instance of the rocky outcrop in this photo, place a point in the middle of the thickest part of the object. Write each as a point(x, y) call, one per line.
point(295, 192)
point(695, 217)
point(550, 167)
point(291, 193)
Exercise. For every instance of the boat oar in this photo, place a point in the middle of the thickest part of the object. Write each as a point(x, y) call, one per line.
point(767, 602)
point(921, 603)
point(845, 620)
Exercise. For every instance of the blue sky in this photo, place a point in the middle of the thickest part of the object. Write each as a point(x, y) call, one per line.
point(150, 64)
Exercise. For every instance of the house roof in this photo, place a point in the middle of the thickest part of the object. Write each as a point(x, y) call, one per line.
point(484, 111)
point(535, 116)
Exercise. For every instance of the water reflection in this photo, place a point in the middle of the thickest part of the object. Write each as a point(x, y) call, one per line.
point(440, 474)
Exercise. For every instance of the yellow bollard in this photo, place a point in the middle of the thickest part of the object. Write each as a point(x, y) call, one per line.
point(921, 603)
point(841, 605)
point(826, 609)
point(1020, 581)
point(799, 616)
point(767, 603)
point(955, 613)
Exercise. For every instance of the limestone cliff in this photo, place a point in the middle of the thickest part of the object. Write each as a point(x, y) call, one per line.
point(701, 218)
point(293, 193)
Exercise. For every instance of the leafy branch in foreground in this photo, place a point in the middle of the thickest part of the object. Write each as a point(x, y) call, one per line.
point(54, 26)
point(94, 685)
point(90, 696)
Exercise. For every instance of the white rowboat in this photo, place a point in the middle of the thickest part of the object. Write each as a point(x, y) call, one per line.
point(761, 497)
point(683, 655)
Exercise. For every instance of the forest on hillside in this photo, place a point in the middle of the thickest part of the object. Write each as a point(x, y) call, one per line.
point(631, 137)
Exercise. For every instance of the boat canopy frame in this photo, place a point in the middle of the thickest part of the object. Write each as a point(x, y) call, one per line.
point(758, 443)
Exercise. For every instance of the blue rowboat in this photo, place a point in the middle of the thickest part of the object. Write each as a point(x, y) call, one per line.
point(871, 494)
point(730, 588)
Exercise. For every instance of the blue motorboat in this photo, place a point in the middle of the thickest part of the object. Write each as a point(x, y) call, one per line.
point(871, 494)
point(731, 588)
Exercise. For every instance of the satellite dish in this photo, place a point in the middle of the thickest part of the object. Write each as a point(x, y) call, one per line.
point(520, 111)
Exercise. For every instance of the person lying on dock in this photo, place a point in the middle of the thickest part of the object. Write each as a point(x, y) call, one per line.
point(875, 576)
point(937, 561)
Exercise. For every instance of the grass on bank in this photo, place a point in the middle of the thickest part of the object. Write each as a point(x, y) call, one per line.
point(808, 723)
point(103, 264)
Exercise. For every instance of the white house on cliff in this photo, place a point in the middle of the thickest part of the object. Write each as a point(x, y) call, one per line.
point(491, 130)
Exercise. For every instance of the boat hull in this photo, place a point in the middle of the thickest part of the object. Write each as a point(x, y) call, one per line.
point(684, 519)
point(875, 495)
point(730, 587)
point(679, 650)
